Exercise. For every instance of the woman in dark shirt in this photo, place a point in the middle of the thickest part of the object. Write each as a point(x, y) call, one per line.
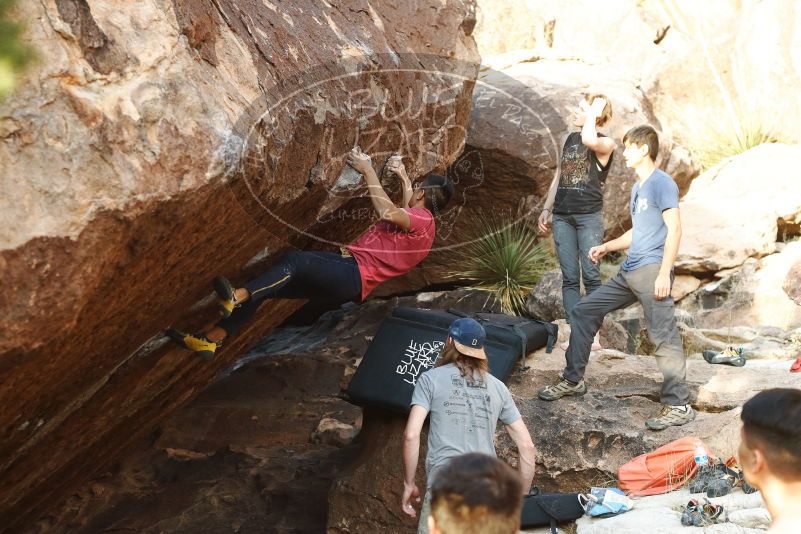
point(574, 205)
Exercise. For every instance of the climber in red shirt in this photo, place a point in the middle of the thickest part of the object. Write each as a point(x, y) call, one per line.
point(393, 246)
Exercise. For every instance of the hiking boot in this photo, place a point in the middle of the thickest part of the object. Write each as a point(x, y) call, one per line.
point(671, 416)
point(197, 343)
point(728, 356)
point(226, 298)
point(563, 388)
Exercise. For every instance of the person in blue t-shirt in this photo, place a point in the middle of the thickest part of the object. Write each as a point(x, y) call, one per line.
point(645, 277)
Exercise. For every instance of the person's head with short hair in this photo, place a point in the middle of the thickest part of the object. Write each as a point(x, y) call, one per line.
point(770, 447)
point(639, 143)
point(475, 494)
point(580, 113)
point(771, 435)
point(464, 347)
point(433, 192)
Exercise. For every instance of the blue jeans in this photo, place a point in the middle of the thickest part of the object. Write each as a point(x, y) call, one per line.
point(574, 236)
point(299, 275)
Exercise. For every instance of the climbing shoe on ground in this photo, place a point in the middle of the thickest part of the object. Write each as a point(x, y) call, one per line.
point(197, 343)
point(702, 478)
point(671, 416)
point(728, 356)
point(715, 479)
point(563, 388)
point(702, 514)
point(796, 367)
point(718, 479)
point(740, 480)
point(226, 299)
point(690, 512)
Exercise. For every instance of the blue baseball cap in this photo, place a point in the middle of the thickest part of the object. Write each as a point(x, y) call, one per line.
point(468, 336)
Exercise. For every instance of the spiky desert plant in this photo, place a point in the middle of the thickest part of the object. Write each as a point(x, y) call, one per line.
point(719, 144)
point(503, 256)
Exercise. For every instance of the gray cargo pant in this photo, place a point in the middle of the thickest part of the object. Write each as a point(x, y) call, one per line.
point(624, 289)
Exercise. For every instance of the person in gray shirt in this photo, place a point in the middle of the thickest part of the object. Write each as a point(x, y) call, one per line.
point(465, 403)
point(645, 277)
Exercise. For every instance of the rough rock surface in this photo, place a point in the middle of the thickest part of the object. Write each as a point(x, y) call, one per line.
point(753, 294)
point(150, 164)
point(545, 300)
point(241, 451)
point(516, 131)
point(333, 432)
point(727, 217)
point(243, 455)
point(706, 66)
point(683, 285)
point(792, 283)
point(238, 458)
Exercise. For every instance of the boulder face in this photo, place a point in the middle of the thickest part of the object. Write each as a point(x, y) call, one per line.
point(754, 294)
point(728, 217)
point(792, 283)
point(162, 143)
point(707, 67)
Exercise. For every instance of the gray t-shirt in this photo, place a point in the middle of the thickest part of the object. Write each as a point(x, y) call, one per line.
point(648, 201)
point(463, 413)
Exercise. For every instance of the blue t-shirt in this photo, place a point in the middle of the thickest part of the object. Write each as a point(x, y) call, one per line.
point(648, 201)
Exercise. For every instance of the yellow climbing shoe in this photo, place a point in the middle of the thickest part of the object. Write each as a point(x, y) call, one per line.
point(226, 299)
point(196, 343)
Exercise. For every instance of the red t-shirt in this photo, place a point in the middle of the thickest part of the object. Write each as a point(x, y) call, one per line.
point(386, 251)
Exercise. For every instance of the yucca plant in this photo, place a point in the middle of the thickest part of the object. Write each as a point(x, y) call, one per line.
point(503, 257)
point(718, 144)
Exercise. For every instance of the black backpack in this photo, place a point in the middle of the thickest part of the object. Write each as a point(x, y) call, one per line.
point(548, 509)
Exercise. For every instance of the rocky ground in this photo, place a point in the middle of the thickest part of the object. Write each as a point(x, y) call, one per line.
point(270, 446)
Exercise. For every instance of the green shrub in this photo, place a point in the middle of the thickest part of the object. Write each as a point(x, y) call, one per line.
point(504, 258)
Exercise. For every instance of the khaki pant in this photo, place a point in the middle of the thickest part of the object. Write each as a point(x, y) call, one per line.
point(624, 289)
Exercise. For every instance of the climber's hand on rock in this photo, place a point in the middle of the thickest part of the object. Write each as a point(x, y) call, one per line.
point(359, 160)
point(395, 166)
point(410, 492)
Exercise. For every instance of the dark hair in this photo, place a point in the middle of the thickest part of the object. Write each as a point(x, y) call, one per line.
point(643, 135)
point(476, 493)
point(772, 423)
point(606, 114)
point(438, 192)
point(467, 365)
